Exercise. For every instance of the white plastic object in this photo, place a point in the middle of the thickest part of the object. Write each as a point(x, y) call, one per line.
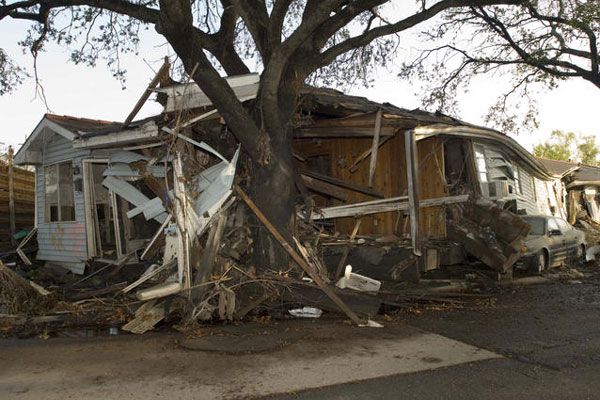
point(306, 312)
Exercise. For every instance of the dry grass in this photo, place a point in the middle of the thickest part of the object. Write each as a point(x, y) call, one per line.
point(18, 296)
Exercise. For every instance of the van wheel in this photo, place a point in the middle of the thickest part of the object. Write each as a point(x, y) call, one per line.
point(540, 263)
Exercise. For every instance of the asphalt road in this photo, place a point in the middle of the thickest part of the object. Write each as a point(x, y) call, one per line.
point(549, 335)
point(531, 342)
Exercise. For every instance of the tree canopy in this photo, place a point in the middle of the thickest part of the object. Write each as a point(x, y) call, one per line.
point(537, 45)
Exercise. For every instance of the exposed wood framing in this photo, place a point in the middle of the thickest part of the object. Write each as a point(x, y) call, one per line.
point(374, 147)
point(365, 154)
point(342, 183)
point(325, 188)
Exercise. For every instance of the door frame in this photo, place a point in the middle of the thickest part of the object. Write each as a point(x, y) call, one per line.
point(90, 211)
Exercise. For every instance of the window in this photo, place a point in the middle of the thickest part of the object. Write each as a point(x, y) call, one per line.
point(58, 186)
point(552, 225)
point(517, 174)
point(481, 164)
point(564, 226)
point(537, 226)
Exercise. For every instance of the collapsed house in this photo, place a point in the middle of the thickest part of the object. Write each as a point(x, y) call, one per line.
point(581, 189)
point(154, 191)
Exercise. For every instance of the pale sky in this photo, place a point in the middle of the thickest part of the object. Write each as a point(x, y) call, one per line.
point(93, 93)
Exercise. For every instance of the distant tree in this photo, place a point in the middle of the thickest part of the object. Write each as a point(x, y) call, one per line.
point(588, 150)
point(565, 146)
point(557, 148)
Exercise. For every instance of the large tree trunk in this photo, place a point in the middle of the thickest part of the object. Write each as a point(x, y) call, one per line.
point(273, 189)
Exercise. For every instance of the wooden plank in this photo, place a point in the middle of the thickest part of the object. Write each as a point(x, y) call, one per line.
point(342, 183)
point(392, 204)
point(413, 192)
point(341, 132)
point(298, 259)
point(164, 69)
point(11, 194)
point(374, 147)
point(324, 188)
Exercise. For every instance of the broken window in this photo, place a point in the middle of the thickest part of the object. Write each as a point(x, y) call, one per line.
point(481, 163)
point(58, 189)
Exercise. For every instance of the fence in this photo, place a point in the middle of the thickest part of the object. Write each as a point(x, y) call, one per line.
point(21, 193)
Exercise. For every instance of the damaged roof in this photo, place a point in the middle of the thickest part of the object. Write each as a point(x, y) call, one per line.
point(75, 124)
point(335, 103)
point(558, 167)
point(584, 175)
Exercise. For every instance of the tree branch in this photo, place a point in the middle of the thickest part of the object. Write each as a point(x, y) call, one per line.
point(333, 52)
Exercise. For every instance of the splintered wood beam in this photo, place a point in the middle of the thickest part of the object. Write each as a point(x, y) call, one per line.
point(374, 147)
point(298, 259)
point(392, 204)
point(140, 103)
point(324, 188)
point(365, 154)
point(344, 184)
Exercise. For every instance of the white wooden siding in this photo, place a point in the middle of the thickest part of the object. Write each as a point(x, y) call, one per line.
point(62, 242)
point(498, 165)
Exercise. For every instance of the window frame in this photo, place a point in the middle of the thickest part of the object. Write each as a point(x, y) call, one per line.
point(479, 149)
point(553, 221)
point(518, 179)
point(59, 201)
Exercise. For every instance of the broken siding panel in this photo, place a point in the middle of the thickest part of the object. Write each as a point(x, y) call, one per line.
point(526, 199)
point(543, 195)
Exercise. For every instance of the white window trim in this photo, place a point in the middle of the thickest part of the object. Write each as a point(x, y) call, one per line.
point(46, 213)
